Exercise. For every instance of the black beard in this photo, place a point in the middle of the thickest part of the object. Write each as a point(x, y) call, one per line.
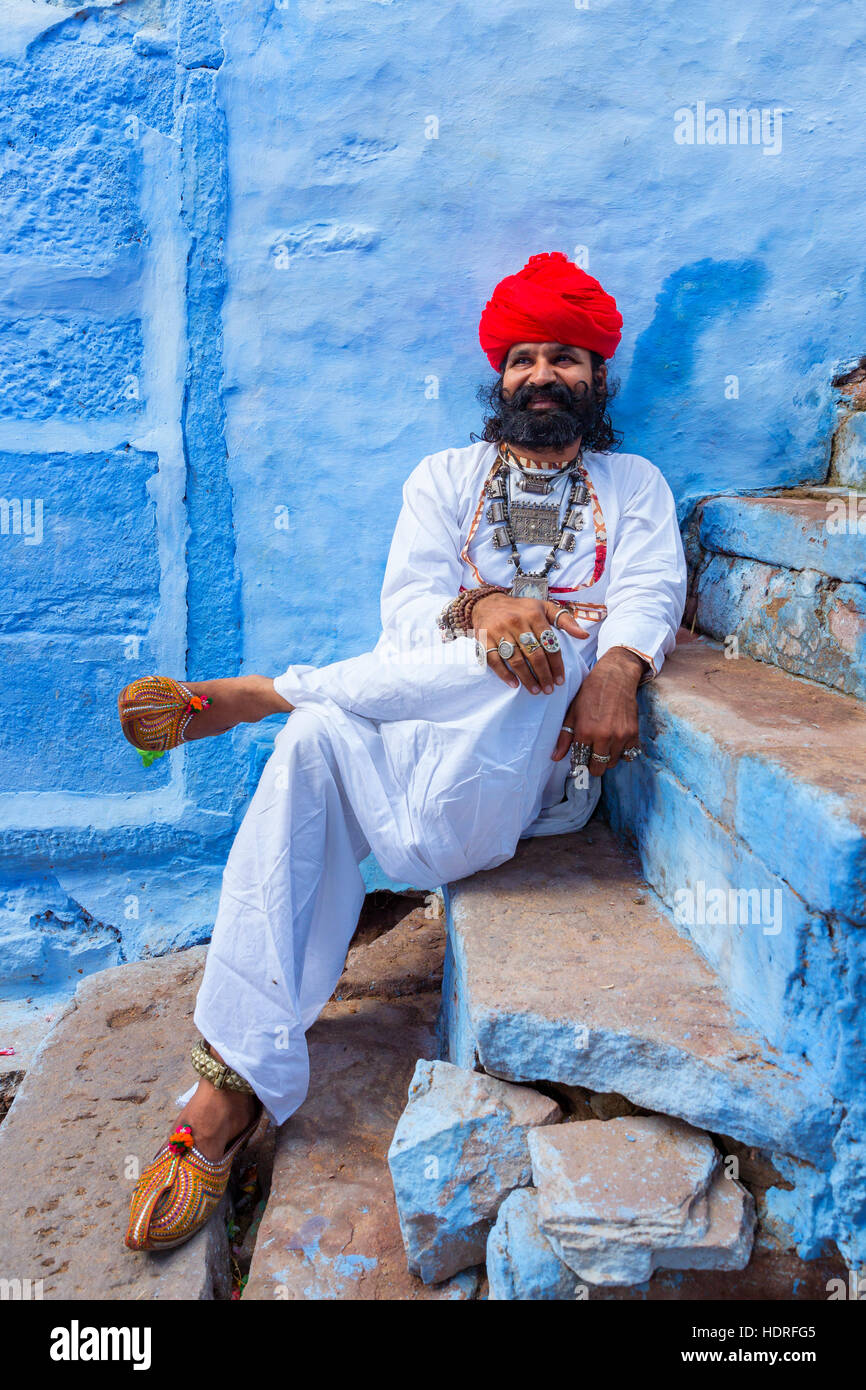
point(576, 414)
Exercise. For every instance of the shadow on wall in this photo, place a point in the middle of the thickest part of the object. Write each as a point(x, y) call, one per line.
point(655, 400)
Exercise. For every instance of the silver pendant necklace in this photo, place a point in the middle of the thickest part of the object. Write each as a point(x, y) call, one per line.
point(535, 523)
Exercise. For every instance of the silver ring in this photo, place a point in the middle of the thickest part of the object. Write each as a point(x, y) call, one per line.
point(529, 642)
point(631, 753)
point(558, 614)
point(549, 640)
point(505, 649)
point(567, 729)
point(491, 649)
point(601, 757)
point(580, 755)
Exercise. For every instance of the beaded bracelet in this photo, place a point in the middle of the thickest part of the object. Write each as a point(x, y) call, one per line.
point(456, 617)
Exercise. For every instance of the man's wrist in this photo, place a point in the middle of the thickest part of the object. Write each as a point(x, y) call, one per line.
point(627, 661)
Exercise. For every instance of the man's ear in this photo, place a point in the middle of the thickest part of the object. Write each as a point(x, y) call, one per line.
point(601, 373)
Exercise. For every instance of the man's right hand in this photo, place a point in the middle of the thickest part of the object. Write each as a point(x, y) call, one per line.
point(499, 617)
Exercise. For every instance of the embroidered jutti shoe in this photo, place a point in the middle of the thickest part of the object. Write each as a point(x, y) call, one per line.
point(180, 1190)
point(154, 714)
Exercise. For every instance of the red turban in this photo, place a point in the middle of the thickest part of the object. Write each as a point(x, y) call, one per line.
point(549, 300)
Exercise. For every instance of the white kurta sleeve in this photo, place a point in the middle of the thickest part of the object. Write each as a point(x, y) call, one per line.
point(647, 589)
point(424, 568)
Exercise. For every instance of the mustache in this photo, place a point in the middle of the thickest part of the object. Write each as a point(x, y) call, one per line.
point(557, 392)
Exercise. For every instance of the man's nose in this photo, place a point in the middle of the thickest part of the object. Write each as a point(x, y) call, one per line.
point(542, 374)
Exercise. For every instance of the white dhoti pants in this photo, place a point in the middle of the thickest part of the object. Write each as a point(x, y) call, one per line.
point(437, 767)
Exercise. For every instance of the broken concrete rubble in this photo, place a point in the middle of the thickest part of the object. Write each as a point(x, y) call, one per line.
point(618, 1199)
point(521, 1263)
point(459, 1148)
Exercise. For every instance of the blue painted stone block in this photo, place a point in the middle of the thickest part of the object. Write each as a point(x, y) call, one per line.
point(69, 686)
point(804, 832)
point(70, 197)
point(787, 533)
point(75, 366)
point(521, 1263)
point(78, 542)
point(796, 619)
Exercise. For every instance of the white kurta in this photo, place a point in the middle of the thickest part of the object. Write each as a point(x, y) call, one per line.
point(418, 753)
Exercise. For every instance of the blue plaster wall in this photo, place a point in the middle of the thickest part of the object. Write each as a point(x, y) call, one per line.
point(244, 250)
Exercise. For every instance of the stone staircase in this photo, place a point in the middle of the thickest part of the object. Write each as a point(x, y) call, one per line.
point(700, 956)
point(562, 969)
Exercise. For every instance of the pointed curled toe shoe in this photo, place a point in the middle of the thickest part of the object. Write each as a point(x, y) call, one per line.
point(181, 1189)
point(154, 714)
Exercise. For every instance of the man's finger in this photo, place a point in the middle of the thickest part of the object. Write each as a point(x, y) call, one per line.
point(563, 745)
point(495, 662)
point(567, 733)
point(522, 667)
point(600, 759)
point(554, 659)
point(560, 619)
point(537, 659)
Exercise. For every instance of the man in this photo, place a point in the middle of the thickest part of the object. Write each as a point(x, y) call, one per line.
point(538, 549)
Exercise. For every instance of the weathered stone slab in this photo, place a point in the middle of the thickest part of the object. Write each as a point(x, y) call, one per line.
point(522, 1264)
point(611, 1194)
point(727, 1241)
point(92, 1110)
point(459, 1148)
point(799, 620)
point(560, 968)
point(330, 1230)
point(792, 533)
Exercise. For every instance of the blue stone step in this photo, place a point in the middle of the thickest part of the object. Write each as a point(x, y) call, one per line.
point(748, 810)
point(783, 579)
point(795, 532)
point(561, 968)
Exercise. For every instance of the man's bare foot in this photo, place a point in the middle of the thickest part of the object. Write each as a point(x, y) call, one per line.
point(216, 1118)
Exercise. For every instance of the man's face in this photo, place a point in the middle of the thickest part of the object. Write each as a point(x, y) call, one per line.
point(547, 394)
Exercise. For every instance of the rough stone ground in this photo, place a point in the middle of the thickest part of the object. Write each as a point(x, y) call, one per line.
point(100, 1089)
point(98, 1095)
point(92, 1106)
point(331, 1229)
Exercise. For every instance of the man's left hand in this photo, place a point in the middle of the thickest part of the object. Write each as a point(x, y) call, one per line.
point(603, 713)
